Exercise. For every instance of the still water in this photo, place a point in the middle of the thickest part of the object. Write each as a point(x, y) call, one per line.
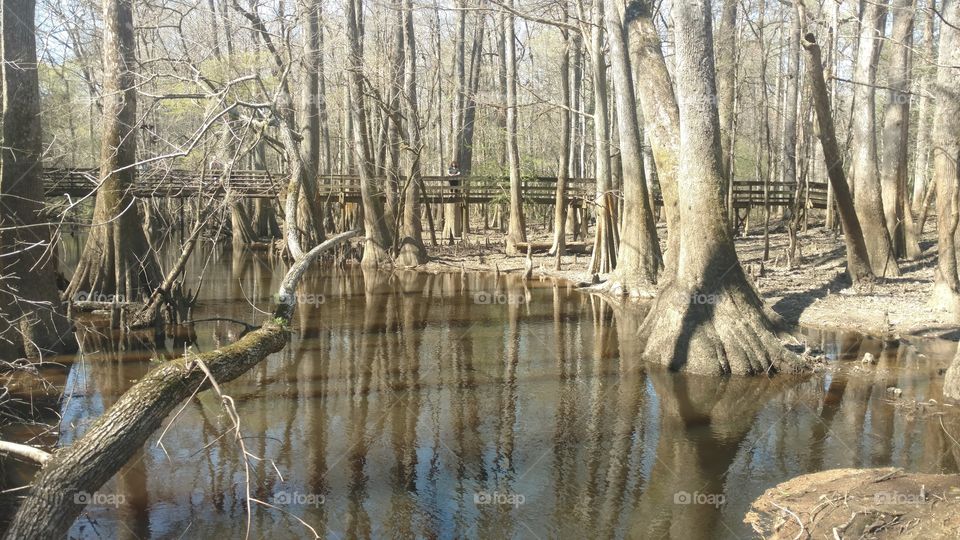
point(473, 405)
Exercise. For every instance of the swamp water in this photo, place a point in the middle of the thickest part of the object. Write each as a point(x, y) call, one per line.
point(472, 405)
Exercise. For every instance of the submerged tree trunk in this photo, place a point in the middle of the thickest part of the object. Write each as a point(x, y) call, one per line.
point(32, 322)
point(896, 125)
point(858, 262)
point(709, 319)
point(638, 257)
point(412, 251)
point(865, 171)
point(946, 153)
point(116, 259)
point(517, 229)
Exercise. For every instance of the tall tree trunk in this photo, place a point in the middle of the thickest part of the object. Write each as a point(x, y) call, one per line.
point(858, 262)
point(116, 258)
point(791, 80)
point(921, 167)
point(604, 258)
point(946, 153)
point(559, 246)
point(865, 170)
point(31, 313)
point(638, 257)
point(896, 125)
point(412, 251)
point(709, 319)
point(726, 80)
point(452, 213)
point(374, 226)
point(661, 120)
point(311, 210)
point(516, 230)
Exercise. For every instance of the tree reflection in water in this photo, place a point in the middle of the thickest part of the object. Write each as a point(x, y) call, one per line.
point(475, 405)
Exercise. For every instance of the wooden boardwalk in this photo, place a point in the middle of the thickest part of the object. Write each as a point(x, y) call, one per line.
point(181, 184)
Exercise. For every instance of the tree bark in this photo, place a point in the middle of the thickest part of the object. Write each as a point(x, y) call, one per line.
point(116, 258)
point(865, 171)
point(638, 258)
point(31, 313)
point(709, 319)
point(946, 152)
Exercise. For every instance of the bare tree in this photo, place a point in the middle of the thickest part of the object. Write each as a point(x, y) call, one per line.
point(604, 257)
point(374, 225)
point(517, 229)
point(661, 120)
point(709, 319)
point(412, 251)
point(638, 257)
point(896, 125)
point(31, 314)
point(865, 170)
point(116, 258)
point(946, 153)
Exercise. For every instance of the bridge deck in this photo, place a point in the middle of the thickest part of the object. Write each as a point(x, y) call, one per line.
point(346, 188)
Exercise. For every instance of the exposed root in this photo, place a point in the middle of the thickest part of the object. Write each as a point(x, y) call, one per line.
point(621, 287)
point(718, 332)
point(945, 298)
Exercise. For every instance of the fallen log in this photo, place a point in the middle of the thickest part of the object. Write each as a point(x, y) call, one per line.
point(51, 505)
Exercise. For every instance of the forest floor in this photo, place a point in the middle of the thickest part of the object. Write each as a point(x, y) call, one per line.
point(816, 292)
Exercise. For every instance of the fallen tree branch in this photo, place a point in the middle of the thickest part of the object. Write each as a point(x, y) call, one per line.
point(29, 453)
point(83, 467)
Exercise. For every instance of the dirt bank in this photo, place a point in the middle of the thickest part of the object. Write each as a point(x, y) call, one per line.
point(859, 503)
point(815, 293)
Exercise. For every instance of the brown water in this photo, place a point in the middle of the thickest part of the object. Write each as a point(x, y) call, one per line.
point(470, 405)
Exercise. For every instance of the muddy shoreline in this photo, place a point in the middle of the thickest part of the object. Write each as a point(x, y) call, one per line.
point(816, 293)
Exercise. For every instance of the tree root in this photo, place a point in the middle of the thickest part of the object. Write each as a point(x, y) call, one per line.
point(718, 332)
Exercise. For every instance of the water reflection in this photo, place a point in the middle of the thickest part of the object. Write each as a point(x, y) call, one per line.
point(456, 405)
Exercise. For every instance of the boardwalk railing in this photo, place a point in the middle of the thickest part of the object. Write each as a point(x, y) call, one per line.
point(178, 183)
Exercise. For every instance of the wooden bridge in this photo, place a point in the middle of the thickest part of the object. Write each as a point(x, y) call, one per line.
point(175, 183)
